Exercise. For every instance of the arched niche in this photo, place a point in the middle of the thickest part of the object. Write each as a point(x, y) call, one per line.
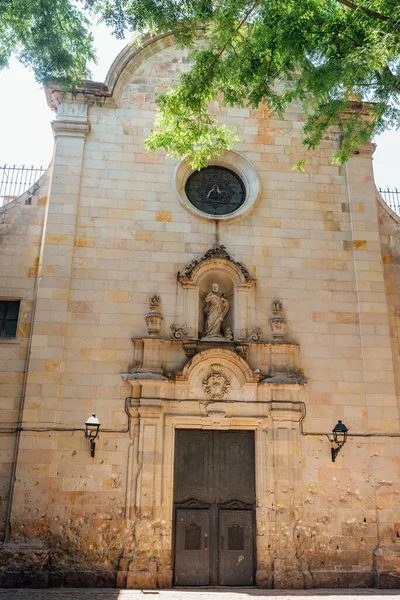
point(233, 279)
point(229, 360)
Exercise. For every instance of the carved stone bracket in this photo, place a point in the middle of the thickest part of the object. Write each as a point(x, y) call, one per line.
point(178, 332)
point(216, 416)
point(190, 348)
point(254, 334)
point(242, 350)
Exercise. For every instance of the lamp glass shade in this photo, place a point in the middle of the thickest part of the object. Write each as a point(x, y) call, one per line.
point(92, 426)
point(340, 433)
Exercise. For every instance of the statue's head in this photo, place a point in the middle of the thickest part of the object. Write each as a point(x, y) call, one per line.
point(215, 287)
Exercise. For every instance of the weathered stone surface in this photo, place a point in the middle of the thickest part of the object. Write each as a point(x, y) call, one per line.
point(115, 235)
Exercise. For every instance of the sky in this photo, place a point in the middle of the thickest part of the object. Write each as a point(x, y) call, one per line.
point(26, 137)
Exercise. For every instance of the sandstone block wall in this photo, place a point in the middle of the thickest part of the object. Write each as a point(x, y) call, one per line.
point(116, 234)
point(21, 229)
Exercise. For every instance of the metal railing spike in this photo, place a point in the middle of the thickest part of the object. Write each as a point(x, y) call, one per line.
point(15, 180)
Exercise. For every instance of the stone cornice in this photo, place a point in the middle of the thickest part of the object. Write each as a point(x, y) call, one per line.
point(88, 92)
point(70, 128)
point(277, 373)
point(367, 149)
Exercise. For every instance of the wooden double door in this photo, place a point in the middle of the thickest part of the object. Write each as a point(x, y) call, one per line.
point(214, 508)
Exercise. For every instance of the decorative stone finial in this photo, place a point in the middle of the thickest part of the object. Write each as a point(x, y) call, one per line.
point(277, 306)
point(277, 322)
point(154, 318)
point(155, 302)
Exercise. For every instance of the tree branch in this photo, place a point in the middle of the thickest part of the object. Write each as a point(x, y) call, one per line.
point(395, 86)
point(242, 22)
point(366, 11)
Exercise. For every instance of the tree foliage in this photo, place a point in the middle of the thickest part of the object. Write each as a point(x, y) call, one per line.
point(320, 53)
point(50, 36)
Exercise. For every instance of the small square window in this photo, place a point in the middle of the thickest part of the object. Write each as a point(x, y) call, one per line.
point(9, 311)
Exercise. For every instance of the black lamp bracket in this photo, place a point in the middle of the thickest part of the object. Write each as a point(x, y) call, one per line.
point(335, 452)
point(92, 447)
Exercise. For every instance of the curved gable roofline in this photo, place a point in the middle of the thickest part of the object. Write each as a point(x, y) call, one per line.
point(118, 76)
point(131, 57)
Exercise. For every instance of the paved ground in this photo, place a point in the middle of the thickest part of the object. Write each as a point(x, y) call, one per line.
point(203, 594)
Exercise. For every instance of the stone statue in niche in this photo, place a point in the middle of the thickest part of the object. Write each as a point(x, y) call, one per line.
point(215, 311)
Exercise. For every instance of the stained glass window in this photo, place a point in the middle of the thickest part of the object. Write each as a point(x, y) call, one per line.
point(215, 191)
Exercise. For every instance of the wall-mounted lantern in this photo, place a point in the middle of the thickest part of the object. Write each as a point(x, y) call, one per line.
point(339, 437)
point(92, 427)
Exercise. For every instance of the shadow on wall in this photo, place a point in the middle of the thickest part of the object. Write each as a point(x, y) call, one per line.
point(185, 594)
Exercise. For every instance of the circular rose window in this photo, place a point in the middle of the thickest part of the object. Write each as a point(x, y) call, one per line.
point(215, 191)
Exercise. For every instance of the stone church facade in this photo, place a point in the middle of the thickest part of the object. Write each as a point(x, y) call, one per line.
point(218, 324)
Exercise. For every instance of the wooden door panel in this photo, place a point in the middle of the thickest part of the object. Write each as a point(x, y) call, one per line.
point(236, 547)
point(193, 465)
point(213, 471)
point(234, 459)
point(192, 563)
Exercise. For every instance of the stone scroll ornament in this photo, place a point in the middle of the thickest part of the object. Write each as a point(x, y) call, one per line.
point(178, 332)
point(154, 318)
point(254, 335)
point(216, 386)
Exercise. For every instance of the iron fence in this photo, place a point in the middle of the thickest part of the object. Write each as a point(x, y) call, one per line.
point(392, 199)
point(15, 180)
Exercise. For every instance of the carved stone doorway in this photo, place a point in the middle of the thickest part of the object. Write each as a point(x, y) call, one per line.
point(214, 508)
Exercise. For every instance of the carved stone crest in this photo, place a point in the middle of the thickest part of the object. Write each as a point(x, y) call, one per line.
point(216, 386)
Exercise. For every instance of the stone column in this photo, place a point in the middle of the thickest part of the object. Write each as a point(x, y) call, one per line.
point(241, 312)
point(45, 365)
point(286, 466)
point(150, 566)
point(264, 494)
point(131, 487)
point(191, 310)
